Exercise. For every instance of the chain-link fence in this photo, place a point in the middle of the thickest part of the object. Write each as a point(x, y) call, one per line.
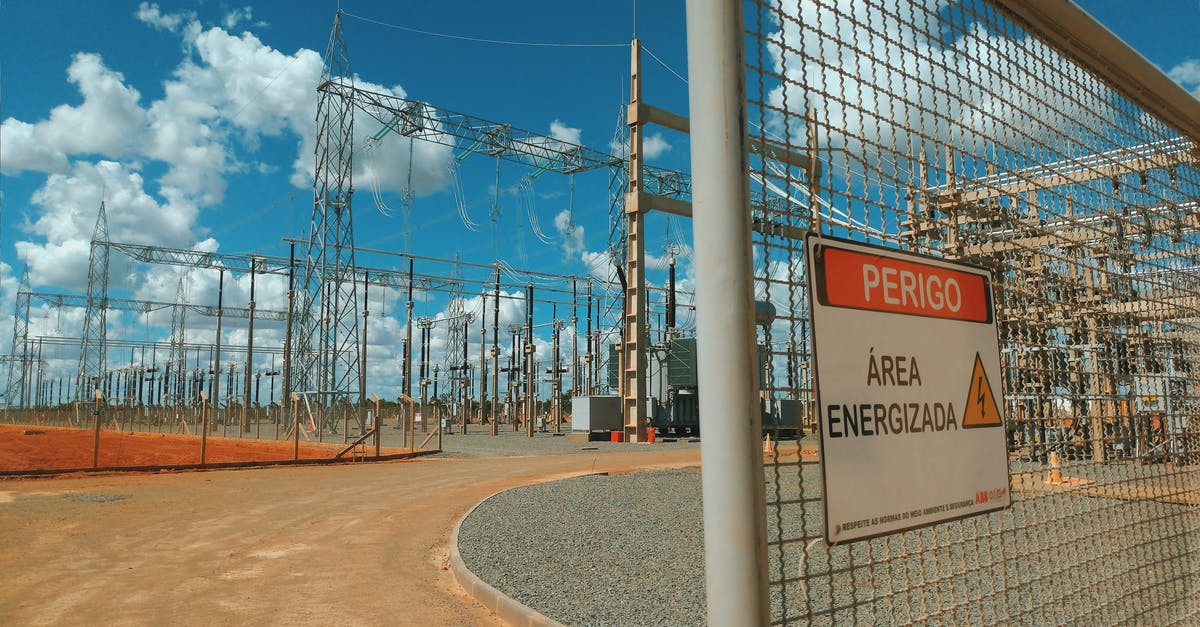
point(261, 422)
point(956, 130)
point(103, 435)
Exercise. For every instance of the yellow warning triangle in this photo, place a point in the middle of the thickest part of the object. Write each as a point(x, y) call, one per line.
point(981, 403)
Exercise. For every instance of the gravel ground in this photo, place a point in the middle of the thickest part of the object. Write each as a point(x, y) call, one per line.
point(478, 442)
point(595, 550)
point(628, 549)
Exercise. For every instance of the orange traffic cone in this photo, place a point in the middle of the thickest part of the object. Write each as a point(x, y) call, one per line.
point(1055, 476)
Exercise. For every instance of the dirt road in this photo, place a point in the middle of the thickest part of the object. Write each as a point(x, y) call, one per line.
point(353, 545)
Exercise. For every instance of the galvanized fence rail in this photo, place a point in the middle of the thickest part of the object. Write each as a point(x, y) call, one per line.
point(263, 422)
point(959, 130)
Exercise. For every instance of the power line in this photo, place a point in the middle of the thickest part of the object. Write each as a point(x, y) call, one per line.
point(664, 64)
point(536, 44)
point(238, 113)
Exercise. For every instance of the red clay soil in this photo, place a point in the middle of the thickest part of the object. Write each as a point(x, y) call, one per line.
point(347, 544)
point(25, 447)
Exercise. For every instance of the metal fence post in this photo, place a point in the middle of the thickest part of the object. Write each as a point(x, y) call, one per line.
point(732, 473)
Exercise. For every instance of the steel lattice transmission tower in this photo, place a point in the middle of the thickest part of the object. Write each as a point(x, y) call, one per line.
point(177, 363)
point(325, 353)
point(18, 366)
point(455, 357)
point(91, 352)
point(455, 312)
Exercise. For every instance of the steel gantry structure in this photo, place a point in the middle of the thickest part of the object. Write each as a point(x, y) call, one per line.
point(644, 187)
point(147, 306)
point(332, 228)
point(1081, 281)
point(443, 276)
point(325, 344)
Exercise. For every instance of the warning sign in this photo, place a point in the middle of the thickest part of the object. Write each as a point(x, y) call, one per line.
point(982, 410)
point(906, 362)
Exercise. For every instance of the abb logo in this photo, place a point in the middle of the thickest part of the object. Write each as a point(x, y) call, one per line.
point(983, 496)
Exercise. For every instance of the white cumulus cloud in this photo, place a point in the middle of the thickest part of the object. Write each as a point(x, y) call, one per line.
point(239, 16)
point(570, 234)
point(653, 147)
point(149, 13)
point(599, 264)
point(226, 94)
point(565, 133)
point(67, 206)
point(158, 163)
point(107, 122)
point(1186, 73)
point(899, 99)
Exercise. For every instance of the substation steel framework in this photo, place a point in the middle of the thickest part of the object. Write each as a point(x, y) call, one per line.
point(324, 347)
point(179, 311)
point(1105, 254)
point(177, 357)
point(92, 352)
point(146, 306)
point(324, 350)
point(323, 353)
point(18, 364)
point(259, 264)
point(642, 197)
point(324, 330)
point(649, 188)
point(325, 343)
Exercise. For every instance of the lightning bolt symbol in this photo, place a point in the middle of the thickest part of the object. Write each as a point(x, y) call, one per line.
point(979, 397)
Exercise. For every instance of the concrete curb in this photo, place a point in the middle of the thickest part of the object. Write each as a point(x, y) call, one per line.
point(507, 608)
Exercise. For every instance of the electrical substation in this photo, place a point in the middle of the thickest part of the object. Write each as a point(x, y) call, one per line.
point(608, 345)
point(908, 335)
point(608, 350)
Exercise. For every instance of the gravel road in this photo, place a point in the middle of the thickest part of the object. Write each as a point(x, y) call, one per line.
point(478, 442)
point(596, 550)
point(628, 549)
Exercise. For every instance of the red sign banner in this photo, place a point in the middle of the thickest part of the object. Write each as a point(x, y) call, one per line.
point(858, 280)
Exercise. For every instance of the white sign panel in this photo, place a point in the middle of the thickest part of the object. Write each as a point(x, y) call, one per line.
point(908, 389)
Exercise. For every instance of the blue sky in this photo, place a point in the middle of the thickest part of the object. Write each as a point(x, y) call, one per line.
point(193, 120)
point(531, 88)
